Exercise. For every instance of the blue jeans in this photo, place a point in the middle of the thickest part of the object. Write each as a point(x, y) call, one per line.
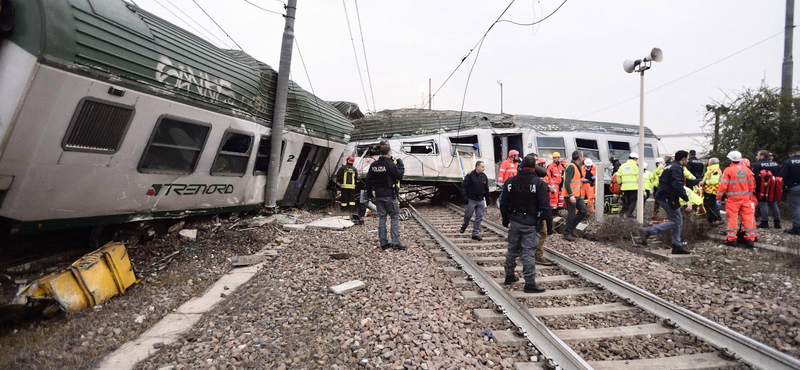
point(392, 208)
point(675, 224)
point(522, 239)
point(773, 207)
point(794, 205)
point(477, 207)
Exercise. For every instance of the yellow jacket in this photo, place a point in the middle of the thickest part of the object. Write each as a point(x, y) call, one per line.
point(711, 179)
point(628, 175)
point(694, 198)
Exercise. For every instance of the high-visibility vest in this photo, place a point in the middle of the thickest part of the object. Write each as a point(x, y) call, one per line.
point(575, 183)
point(711, 179)
point(348, 178)
point(628, 176)
point(737, 183)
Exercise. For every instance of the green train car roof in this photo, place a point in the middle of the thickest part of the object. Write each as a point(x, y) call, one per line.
point(120, 43)
point(418, 122)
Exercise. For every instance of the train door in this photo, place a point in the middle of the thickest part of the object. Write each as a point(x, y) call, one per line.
point(306, 169)
point(503, 144)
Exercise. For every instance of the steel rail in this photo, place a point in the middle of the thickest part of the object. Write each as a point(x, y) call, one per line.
point(750, 351)
point(545, 341)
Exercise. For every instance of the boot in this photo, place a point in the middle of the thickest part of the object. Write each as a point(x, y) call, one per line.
point(569, 237)
point(777, 224)
point(763, 225)
point(794, 230)
point(643, 237)
point(680, 250)
point(533, 288)
point(544, 262)
point(511, 279)
point(749, 244)
point(729, 243)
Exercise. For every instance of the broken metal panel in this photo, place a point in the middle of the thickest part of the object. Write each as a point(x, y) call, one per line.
point(88, 282)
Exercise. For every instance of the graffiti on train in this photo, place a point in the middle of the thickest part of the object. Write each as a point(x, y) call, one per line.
point(184, 77)
point(189, 189)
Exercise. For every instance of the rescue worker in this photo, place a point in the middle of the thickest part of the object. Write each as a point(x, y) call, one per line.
point(764, 171)
point(547, 225)
point(628, 179)
point(383, 178)
point(475, 193)
point(660, 165)
point(573, 191)
point(523, 206)
point(710, 188)
point(554, 173)
point(669, 193)
point(590, 174)
point(346, 178)
point(790, 172)
point(738, 185)
point(695, 166)
point(508, 168)
point(648, 185)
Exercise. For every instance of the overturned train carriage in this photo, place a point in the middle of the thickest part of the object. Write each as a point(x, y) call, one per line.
point(109, 114)
point(439, 147)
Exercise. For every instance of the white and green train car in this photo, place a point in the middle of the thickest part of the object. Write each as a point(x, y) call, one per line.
point(109, 114)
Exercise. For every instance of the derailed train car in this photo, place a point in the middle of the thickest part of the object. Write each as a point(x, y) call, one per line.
point(109, 114)
point(438, 147)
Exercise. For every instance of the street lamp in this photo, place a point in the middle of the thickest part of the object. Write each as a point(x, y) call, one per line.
point(641, 65)
point(501, 95)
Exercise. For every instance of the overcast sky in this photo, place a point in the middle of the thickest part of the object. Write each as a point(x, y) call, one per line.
point(568, 66)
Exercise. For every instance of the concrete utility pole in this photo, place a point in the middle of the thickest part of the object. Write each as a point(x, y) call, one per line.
point(279, 115)
point(430, 97)
point(788, 64)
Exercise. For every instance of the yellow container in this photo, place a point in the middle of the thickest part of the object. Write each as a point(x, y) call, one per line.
point(88, 282)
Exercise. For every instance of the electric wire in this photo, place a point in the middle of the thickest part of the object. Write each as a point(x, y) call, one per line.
point(535, 22)
point(197, 23)
point(355, 54)
point(686, 75)
point(366, 60)
point(266, 10)
point(215, 22)
point(197, 32)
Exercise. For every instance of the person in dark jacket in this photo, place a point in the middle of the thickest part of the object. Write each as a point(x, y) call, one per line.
point(615, 165)
point(475, 192)
point(524, 204)
point(383, 178)
point(573, 194)
point(695, 166)
point(790, 171)
point(770, 168)
point(670, 190)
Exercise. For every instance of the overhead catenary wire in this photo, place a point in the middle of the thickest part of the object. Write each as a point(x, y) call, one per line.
point(366, 60)
point(355, 54)
point(535, 22)
point(197, 23)
point(264, 9)
point(220, 27)
point(197, 32)
point(686, 75)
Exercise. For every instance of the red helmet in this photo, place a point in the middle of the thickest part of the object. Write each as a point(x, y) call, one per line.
point(351, 159)
point(541, 160)
point(512, 152)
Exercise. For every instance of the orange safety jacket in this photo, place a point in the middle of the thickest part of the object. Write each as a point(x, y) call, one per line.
point(575, 183)
point(508, 169)
point(554, 173)
point(737, 182)
point(588, 189)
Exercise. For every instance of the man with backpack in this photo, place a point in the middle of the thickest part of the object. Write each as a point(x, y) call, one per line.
point(769, 188)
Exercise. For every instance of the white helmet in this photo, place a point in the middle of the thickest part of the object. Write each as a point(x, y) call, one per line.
point(645, 165)
point(633, 155)
point(660, 160)
point(588, 162)
point(735, 156)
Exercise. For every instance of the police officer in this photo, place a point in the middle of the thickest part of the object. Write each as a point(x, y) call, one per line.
point(474, 191)
point(524, 204)
point(695, 166)
point(669, 193)
point(770, 168)
point(790, 171)
point(383, 178)
point(346, 178)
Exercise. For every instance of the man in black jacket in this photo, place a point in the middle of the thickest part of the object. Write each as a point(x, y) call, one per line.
point(670, 191)
point(790, 171)
point(383, 178)
point(695, 166)
point(474, 192)
point(771, 169)
point(525, 202)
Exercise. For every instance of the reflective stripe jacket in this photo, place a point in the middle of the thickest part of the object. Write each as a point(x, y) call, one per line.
point(573, 181)
point(508, 169)
point(628, 176)
point(554, 173)
point(655, 176)
point(711, 179)
point(737, 183)
point(346, 177)
point(694, 198)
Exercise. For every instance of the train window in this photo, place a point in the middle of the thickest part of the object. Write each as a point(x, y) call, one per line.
point(174, 147)
point(548, 145)
point(263, 155)
point(421, 147)
point(589, 148)
point(369, 149)
point(648, 151)
point(466, 144)
point(233, 155)
point(619, 149)
point(97, 127)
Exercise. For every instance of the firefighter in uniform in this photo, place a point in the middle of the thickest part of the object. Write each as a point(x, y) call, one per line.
point(628, 178)
point(738, 184)
point(346, 178)
point(524, 205)
point(765, 171)
point(590, 174)
point(383, 178)
point(790, 172)
point(554, 173)
point(710, 189)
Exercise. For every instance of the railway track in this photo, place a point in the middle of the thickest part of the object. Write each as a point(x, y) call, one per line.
point(587, 319)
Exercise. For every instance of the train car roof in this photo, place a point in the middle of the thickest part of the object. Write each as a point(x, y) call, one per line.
point(125, 45)
point(417, 122)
